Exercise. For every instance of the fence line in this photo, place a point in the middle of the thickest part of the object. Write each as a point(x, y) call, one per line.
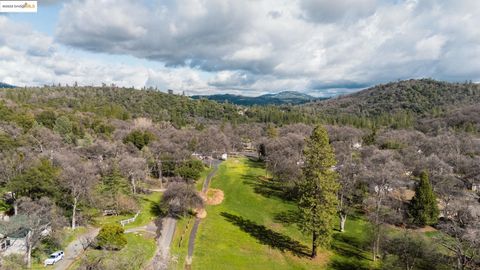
point(130, 220)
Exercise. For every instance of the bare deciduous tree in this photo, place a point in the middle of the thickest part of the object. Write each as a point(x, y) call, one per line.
point(463, 238)
point(181, 197)
point(349, 168)
point(78, 177)
point(37, 219)
point(133, 168)
point(383, 174)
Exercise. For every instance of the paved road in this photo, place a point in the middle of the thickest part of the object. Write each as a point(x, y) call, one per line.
point(193, 233)
point(161, 258)
point(168, 229)
point(75, 249)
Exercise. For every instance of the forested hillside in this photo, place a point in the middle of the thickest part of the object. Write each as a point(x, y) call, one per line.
point(124, 103)
point(414, 96)
point(425, 105)
point(285, 97)
point(404, 104)
point(78, 154)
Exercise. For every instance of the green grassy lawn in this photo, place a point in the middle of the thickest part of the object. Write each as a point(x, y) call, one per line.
point(351, 248)
point(139, 250)
point(179, 246)
point(146, 212)
point(68, 235)
point(202, 178)
point(252, 228)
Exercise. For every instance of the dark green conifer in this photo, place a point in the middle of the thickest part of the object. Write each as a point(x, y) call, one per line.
point(423, 207)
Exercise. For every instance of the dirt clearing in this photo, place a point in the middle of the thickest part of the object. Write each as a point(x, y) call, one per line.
point(201, 213)
point(214, 196)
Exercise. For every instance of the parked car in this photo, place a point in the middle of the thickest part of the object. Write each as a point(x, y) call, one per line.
point(54, 258)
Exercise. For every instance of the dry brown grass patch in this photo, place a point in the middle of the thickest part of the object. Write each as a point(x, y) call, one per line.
point(425, 229)
point(201, 213)
point(214, 196)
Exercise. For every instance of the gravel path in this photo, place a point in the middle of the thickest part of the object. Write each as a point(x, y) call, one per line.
point(150, 228)
point(75, 249)
point(193, 233)
point(161, 258)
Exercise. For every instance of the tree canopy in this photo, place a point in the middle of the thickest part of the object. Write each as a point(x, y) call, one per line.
point(318, 201)
point(423, 207)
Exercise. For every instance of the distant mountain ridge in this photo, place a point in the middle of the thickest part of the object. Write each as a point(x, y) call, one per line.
point(6, 85)
point(285, 97)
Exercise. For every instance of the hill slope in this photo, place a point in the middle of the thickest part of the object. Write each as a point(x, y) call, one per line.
point(123, 103)
point(403, 104)
point(414, 96)
point(285, 97)
point(6, 85)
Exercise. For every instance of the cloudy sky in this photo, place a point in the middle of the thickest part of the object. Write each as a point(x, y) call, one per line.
point(322, 47)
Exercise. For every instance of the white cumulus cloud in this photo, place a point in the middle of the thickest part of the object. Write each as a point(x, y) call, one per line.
point(251, 46)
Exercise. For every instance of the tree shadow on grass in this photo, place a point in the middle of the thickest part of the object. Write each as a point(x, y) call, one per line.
point(267, 187)
point(157, 209)
point(287, 218)
point(255, 163)
point(267, 236)
point(350, 251)
point(349, 247)
point(348, 264)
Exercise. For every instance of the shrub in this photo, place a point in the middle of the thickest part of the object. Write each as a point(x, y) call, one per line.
point(101, 128)
point(190, 170)
point(411, 251)
point(7, 142)
point(47, 119)
point(13, 262)
point(111, 237)
point(24, 120)
point(370, 138)
point(139, 138)
point(63, 125)
point(391, 144)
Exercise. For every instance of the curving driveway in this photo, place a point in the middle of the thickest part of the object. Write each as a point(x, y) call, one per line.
point(75, 249)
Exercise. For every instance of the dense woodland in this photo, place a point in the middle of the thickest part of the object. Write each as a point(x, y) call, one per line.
point(404, 154)
point(285, 97)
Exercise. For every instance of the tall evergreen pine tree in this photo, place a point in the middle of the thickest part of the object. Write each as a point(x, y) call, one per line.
point(423, 207)
point(318, 201)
